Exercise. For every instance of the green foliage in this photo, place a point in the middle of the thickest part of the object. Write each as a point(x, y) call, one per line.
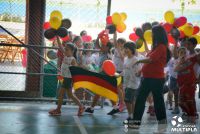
point(10, 18)
point(184, 2)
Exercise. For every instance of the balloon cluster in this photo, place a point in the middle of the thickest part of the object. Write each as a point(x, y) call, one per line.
point(116, 22)
point(142, 33)
point(57, 27)
point(179, 27)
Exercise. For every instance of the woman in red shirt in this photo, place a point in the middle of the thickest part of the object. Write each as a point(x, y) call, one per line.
point(153, 78)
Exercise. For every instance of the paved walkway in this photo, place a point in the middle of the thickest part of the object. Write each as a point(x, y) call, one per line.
point(33, 118)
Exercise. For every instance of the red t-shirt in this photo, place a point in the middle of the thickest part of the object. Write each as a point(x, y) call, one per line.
point(156, 68)
point(187, 76)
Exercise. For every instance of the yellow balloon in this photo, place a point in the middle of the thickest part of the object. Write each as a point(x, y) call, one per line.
point(169, 17)
point(197, 38)
point(121, 27)
point(149, 42)
point(188, 30)
point(55, 22)
point(148, 35)
point(56, 13)
point(182, 27)
point(142, 49)
point(116, 18)
point(123, 16)
point(119, 80)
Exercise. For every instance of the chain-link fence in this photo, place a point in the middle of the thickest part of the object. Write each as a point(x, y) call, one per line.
point(85, 15)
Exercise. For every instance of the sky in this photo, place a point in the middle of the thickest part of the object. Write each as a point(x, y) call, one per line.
point(151, 4)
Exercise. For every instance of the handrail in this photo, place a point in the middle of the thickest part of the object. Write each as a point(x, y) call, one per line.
point(23, 44)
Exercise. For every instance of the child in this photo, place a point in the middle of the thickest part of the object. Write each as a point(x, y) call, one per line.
point(88, 60)
point(131, 80)
point(187, 83)
point(105, 54)
point(172, 80)
point(173, 87)
point(69, 60)
point(118, 59)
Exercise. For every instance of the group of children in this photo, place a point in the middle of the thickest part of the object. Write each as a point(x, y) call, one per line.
point(182, 71)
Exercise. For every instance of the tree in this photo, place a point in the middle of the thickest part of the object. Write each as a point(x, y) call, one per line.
point(184, 2)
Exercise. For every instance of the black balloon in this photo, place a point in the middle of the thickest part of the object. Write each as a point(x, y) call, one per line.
point(146, 26)
point(111, 28)
point(175, 33)
point(50, 33)
point(139, 32)
point(62, 32)
point(155, 23)
point(66, 23)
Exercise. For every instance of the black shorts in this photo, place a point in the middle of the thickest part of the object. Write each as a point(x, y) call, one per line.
point(67, 83)
point(173, 84)
point(130, 95)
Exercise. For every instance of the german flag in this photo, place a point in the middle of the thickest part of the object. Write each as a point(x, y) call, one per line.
point(100, 84)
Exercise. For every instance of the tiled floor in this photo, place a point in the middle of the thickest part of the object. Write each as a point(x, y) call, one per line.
point(33, 118)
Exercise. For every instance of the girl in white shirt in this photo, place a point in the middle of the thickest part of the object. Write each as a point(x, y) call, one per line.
point(69, 50)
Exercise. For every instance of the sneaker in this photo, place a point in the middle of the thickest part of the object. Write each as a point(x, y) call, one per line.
point(121, 107)
point(127, 120)
point(55, 112)
point(89, 110)
point(113, 111)
point(184, 116)
point(176, 111)
point(81, 110)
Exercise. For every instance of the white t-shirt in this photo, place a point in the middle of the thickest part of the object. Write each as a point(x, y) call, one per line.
point(170, 67)
point(88, 59)
point(118, 61)
point(95, 57)
point(129, 73)
point(66, 63)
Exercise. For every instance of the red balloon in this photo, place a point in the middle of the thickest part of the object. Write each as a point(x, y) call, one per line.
point(86, 38)
point(167, 27)
point(180, 21)
point(66, 38)
point(182, 35)
point(195, 30)
point(46, 25)
point(171, 39)
point(109, 20)
point(133, 37)
point(108, 67)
